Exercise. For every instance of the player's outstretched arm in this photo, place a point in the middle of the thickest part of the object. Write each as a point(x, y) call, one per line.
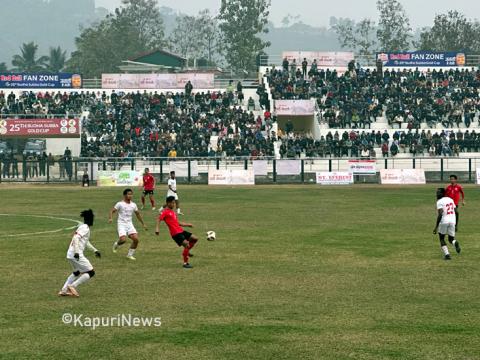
point(94, 249)
point(140, 218)
point(157, 226)
point(110, 215)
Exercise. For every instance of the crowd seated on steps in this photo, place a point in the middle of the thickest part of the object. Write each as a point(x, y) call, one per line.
point(360, 96)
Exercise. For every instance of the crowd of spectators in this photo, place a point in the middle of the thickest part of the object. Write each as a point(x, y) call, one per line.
point(357, 97)
point(181, 124)
point(34, 165)
point(156, 124)
point(31, 104)
point(366, 144)
point(161, 125)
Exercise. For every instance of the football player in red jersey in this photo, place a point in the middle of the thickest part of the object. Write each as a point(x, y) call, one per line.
point(454, 191)
point(148, 187)
point(180, 236)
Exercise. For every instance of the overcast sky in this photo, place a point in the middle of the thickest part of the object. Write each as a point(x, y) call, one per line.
point(318, 12)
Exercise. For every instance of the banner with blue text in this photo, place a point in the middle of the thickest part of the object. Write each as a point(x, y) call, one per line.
point(40, 81)
point(422, 59)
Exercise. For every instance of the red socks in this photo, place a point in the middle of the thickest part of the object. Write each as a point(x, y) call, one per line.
point(191, 244)
point(185, 255)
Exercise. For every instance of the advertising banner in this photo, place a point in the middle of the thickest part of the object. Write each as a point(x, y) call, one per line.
point(289, 167)
point(110, 81)
point(231, 177)
point(166, 81)
point(119, 178)
point(198, 80)
point(324, 58)
point(422, 59)
point(260, 167)
point(402, 177)
point(362, 167)
point(39, 127)
point(40, 81)
point(129, 81)
point(157, 81)
point(335, 178)
point(295, 107)
point(147, 81)
point(181, 168)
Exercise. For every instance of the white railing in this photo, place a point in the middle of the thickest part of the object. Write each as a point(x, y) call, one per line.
point(364, 60)
point(96, 83)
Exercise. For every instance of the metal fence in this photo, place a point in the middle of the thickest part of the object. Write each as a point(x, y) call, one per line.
point(436, 169)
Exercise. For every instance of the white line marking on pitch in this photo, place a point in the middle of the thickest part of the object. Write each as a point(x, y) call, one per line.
point(42, 232)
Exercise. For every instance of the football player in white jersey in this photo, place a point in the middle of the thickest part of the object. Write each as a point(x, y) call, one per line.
point(82, 269)
point(446, 222)
point(172, 191)
point(126, 208)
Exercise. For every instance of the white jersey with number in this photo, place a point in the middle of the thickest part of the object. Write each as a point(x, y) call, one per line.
point(448, 207)
point(82, 237)
point(172, 184)
point(125, 212)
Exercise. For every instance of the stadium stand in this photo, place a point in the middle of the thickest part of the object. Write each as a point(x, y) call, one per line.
point(398, 112)
point(360, 113)
point(156, 124)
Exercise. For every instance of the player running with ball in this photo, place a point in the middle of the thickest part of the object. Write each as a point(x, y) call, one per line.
point(126, 208)
point(181, 237)
point(446, 221)
point(82, 269)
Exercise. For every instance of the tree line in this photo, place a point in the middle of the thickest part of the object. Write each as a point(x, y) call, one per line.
point(235, 37)
point(452, 31)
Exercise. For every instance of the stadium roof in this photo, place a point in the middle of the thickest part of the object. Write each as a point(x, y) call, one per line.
point(157, 57)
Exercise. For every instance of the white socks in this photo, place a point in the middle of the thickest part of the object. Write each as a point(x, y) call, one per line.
point(70, 280)
point(82, 279)
point(445, 250)
point(131, 252)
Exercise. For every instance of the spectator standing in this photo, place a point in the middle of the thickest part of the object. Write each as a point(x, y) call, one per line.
point(69, 168)
point(6, 165)
point(385, 149)
point(43, 164)
point(188, 89)
point(14, 162)
point(285, 65)
point(304, 67)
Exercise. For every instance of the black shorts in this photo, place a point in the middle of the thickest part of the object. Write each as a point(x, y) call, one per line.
point(181, 237)
point(147, 192)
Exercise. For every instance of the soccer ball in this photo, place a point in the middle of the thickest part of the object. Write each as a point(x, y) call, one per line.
point(211, 235)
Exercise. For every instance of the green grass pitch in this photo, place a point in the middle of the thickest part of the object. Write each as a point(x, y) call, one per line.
point(296, 272)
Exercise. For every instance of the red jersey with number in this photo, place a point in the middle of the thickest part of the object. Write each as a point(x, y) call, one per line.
point(148, 182)
point(170, 218)
point(454, 192)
